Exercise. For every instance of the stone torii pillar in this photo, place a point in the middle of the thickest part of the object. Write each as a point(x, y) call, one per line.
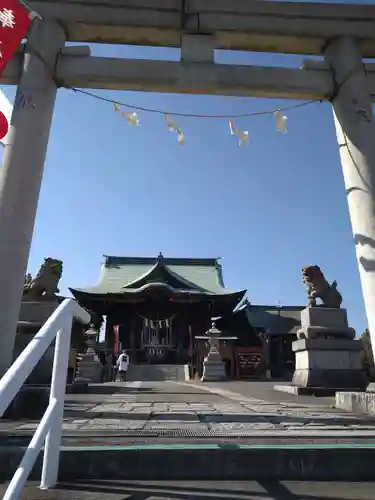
point(355, 129)
point(22, 171)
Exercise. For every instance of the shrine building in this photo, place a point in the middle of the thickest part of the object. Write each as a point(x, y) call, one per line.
point(159, 310)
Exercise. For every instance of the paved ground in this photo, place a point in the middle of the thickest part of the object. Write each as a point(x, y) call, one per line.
point(265, 390)
point(234, 412)
point(202, 490)
point(192, 410)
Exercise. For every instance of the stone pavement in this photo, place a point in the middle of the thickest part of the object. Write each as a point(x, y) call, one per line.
point(202, 490)
point(192, 410)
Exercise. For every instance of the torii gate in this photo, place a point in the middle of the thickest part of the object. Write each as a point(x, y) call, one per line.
point(342, 33)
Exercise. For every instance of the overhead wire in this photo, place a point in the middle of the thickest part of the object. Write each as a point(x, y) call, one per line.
point(191, 115)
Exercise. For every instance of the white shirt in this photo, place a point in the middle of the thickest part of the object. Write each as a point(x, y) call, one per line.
point(123, 362)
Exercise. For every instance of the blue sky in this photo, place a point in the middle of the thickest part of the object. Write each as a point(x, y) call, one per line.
point(267, 209)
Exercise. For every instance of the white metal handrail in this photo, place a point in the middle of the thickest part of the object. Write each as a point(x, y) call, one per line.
point(49, 430)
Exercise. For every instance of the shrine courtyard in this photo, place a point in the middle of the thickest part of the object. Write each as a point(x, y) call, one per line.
point(126, 430)
point(123, 413)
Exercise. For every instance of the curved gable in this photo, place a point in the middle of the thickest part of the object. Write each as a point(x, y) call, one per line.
point(161, 273)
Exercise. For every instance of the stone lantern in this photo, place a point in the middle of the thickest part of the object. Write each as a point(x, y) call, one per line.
point(89, 367)
point(91, 337)
point(213, 365)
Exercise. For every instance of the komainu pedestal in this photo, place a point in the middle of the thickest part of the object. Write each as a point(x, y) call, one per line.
point(327, 356)
point(325, 322)
point(33, 315)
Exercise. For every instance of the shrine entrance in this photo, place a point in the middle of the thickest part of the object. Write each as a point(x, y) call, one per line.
point(343, 34)
point(157, 339)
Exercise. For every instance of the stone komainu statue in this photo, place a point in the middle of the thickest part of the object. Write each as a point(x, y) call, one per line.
point(318, 288)
point(28, 280)
point(45, 282)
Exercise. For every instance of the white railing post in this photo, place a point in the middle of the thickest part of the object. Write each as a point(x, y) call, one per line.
point(14, 378)
point(50, 426)
point(14, 489)
point(58, 389)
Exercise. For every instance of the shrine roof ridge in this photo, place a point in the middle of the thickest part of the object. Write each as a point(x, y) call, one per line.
point(112, 260)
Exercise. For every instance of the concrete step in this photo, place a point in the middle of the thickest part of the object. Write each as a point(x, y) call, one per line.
point(156, 373)
point(205, 462)
point(203, 490)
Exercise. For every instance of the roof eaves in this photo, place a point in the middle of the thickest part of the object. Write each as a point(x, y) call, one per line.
point(276, 308)
point(244, 304)
point(158, 284)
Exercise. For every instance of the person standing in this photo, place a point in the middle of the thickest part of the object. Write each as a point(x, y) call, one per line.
point(108, 371)
point(123, 365)
point(72, 366)
point(103, 361)
point(114, 367)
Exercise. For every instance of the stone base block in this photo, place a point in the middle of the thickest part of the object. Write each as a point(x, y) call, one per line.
point(322, 344)
point(37, 311)
point(77, 388)
point(325, 322)
point(29, 404)
point(42, 373)
point(335, 379)
point(357, 402)
point(187, 372)
point(329, 364)
point(324, 316)
point(89, 371)
point(213, 371)
point(33, 314)
point(32, 400)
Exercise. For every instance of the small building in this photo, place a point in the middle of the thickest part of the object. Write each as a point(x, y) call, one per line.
point(278, 325)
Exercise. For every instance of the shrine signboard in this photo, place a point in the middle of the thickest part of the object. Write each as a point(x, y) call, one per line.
point(249, 362)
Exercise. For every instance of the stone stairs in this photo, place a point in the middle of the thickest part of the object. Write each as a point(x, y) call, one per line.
point(191, 490)
point(156, 373)
point(216, 462)
point(138, 431)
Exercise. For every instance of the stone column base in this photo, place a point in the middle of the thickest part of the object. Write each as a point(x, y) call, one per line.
point(29, 403)
point(325, 322)
point(89, 371)
point(357, 402)
point(33, 315)
point(329, 363)
point(213, 368)
point(42, 373)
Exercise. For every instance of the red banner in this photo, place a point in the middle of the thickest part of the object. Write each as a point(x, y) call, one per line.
point(116, 342)
point(14, 22)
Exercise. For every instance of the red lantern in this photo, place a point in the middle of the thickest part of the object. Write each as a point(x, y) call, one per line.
point(4, 126)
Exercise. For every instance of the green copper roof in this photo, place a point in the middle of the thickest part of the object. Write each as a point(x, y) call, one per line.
point(276, 319)
point(127, 274)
